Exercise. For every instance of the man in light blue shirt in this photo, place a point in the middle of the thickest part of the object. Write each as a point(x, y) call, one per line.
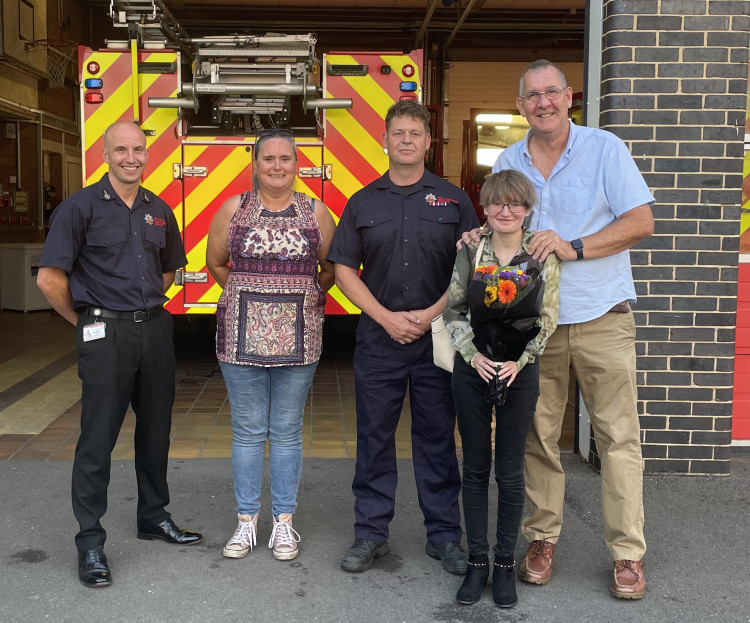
point(593, 207)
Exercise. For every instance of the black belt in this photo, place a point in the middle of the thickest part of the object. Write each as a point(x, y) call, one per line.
point(135, 316)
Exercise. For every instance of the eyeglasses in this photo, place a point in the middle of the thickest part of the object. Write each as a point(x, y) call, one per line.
point(513, 208)
point(552, 93)
point(273, 133)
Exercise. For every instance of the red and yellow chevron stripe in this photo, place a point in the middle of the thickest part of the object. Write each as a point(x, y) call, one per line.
point(351, 145)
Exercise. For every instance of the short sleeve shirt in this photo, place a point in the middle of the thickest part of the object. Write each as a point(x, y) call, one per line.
point(594, 182)
point(404, 238)
point(115, 257)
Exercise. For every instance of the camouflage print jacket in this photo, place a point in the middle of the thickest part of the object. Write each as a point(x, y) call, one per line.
point(457, 315)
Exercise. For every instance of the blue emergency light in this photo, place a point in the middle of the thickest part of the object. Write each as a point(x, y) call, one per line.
point(93, 83)
point(408, 86)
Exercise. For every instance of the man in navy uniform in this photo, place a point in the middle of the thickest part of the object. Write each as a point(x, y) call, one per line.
point(402, 229)
point(111, 253)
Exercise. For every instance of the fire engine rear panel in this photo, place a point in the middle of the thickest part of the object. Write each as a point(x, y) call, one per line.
point(196, 174)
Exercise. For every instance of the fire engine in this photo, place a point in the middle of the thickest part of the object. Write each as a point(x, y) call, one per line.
point(202, 101)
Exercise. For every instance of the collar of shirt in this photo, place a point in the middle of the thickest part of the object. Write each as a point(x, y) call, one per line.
point(107, 193)
point(427, 180)
point(572, 136)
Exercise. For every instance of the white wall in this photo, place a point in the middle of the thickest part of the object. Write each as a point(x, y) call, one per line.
point(491, 86)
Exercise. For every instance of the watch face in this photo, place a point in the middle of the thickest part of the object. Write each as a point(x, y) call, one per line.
point(576, 244)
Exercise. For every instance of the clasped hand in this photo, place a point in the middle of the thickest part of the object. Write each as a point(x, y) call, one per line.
point(405, 327)
point(487, 368)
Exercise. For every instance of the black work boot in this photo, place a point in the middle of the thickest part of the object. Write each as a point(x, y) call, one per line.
point(477, 574)
point(504, 582)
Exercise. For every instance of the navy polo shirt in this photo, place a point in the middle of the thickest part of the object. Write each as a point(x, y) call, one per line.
point(115, 256)
point(404, 238)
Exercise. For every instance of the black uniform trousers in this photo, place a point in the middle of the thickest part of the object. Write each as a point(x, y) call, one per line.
point(133, 364)
point(512, 423)
point(383, 369)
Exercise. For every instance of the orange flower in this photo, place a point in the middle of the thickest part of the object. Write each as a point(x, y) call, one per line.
point(486, 270)
point(490, 295)
point(506, 291)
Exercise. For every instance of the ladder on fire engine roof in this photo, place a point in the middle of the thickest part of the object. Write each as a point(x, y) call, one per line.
point(247, 74)
point(151, 22)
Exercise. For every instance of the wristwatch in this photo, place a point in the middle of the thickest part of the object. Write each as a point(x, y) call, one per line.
point(578, 246)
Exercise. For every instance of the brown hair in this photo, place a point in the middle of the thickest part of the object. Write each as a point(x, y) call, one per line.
point(507, 185)
point(408, 108)
point(281, 133)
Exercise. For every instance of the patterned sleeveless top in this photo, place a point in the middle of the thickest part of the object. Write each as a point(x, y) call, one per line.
point(271, 311)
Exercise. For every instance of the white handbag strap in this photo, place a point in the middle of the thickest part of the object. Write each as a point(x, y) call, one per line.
point(478, 256)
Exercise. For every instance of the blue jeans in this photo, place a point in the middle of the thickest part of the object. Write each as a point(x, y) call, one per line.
point(267, 403)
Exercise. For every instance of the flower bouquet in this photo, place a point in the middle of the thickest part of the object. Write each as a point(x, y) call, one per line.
point(505, 285)
point(507, 306)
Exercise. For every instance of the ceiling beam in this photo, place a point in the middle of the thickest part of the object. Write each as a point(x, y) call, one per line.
point(428, 16)
point(460, 22)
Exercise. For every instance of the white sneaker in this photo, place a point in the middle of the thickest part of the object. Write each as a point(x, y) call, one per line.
point(284, 538)
point(243, 540)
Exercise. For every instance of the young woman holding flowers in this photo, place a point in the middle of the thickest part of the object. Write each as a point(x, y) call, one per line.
point(502, 307)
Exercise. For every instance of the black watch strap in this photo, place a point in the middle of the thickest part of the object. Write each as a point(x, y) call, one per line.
point(578, 246)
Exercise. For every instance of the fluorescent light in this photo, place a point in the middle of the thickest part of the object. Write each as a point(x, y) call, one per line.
point(487, 156)
point(493, 118)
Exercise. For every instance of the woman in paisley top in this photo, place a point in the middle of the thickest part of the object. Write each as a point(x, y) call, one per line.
point(267, 249)
point(502, 307)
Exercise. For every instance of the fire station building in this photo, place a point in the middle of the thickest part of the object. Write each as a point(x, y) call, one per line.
point(669, 77)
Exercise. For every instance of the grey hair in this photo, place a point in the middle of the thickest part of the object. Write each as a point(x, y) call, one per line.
point(538, 65)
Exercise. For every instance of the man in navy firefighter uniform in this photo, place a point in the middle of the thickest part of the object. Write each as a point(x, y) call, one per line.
point(402, 229)
point(111, 253)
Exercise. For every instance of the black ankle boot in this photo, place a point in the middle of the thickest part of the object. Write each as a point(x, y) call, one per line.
point(477, 574)
point(504, 582)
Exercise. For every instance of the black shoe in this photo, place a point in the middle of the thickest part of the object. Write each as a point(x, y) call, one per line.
point(92, 568)
point(362, 555)
point(477, 574)
point(451, 554)
point(169, 532)
point(504, 582)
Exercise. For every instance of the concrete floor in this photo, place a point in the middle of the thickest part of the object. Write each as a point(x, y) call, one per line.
point(695, 527)
point(696, 565)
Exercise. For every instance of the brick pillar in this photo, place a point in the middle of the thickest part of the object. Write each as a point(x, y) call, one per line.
point(674, 85)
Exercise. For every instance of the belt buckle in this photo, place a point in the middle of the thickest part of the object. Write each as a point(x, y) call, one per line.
point(140, 316)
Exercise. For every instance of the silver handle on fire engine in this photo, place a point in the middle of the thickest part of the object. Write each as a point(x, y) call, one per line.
point(170, 102)
point(229, 88)
point(341, 102)
point(250, 89)
point(182, 277)
point(323, 172)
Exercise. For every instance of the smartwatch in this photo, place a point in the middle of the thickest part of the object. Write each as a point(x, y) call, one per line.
point(578, 246)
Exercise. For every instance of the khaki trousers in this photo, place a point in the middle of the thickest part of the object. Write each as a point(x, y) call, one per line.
point(602, 353)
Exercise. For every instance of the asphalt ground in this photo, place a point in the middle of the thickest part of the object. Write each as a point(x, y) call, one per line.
point(696, 565)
